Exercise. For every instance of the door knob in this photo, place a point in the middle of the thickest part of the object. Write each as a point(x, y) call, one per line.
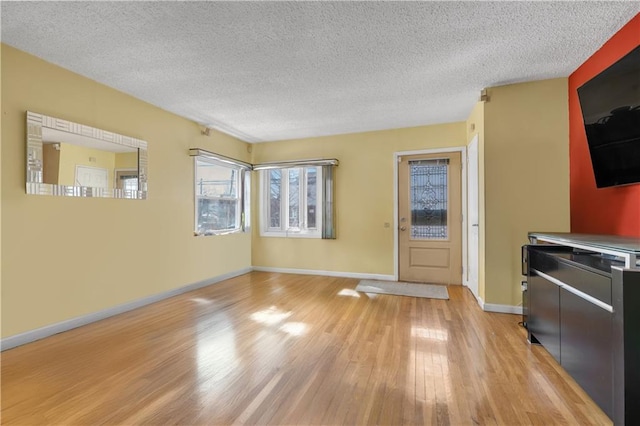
point(403, 228)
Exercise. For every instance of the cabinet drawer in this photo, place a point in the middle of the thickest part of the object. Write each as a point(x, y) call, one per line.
point(542, 261)
point(586, 342)
point(595, 285)
point(544, 314)
point(588, 282)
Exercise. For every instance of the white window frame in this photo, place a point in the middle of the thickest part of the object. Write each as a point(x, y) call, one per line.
point(242, 198)
point(284, 230)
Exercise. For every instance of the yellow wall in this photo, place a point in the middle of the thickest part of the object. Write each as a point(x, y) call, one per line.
point(475, 126)
point(1, 149)
point(127, 160)
point(364, 198)
point(76, 155)
point(526, 171)
point(52, 267)
point(524, 186)
point(50, 163)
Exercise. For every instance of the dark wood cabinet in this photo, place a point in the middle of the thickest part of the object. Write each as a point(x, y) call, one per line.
point(585, 339)
point(584, 308)
point(544, 314)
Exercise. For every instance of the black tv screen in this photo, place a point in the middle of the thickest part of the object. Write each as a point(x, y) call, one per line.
point(610, 105)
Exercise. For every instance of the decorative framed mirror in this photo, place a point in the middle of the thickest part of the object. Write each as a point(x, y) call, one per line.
point(74, 160)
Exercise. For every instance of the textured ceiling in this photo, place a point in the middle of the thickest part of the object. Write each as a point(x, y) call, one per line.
point(264, 71)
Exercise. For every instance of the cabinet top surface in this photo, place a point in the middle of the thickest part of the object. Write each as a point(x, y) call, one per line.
point(620, 244)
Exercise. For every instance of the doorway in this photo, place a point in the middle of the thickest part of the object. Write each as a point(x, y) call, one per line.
point(429, 220)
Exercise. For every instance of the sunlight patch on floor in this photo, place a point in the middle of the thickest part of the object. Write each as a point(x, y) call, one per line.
point(295, 328)
point(270, 316)
point(348, 292)
point(430, 333)
point(201, 300)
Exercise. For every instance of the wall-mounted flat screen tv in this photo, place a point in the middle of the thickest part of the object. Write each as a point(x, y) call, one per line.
point(610, 105)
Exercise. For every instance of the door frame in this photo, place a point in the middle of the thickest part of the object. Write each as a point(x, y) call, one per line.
point(467, 282)
point(463, 158)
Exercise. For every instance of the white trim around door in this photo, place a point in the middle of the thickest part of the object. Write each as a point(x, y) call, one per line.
point(473, 247)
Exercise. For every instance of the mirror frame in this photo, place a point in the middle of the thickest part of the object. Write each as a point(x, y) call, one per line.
point(34, 160)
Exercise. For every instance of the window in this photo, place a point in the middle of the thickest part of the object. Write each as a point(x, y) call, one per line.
point(221, 195)
point(428, 190)
point(129, 183)
point(297, 198)
point(127, 179)
point(292, 201)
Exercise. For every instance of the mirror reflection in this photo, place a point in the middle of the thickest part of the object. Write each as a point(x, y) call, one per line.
point(69, 159)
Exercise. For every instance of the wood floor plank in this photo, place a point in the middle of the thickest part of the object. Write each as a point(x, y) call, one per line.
point(267, 348)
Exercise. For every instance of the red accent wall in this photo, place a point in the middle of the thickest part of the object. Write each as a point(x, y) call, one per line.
point(615, 210)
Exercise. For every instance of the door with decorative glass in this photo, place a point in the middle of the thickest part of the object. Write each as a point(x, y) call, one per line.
point(430, 221)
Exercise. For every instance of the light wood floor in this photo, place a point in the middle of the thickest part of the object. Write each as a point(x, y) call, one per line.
point(289, 349)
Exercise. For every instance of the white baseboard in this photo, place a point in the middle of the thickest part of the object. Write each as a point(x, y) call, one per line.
point(502, 309)
point(50, 330)
point(358, 275)
point(480, 302)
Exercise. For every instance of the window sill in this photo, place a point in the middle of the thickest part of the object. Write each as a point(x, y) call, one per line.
point(291, 234)
point(214, 233)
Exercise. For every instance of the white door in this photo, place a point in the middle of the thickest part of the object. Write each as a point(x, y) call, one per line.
point(472, 216)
